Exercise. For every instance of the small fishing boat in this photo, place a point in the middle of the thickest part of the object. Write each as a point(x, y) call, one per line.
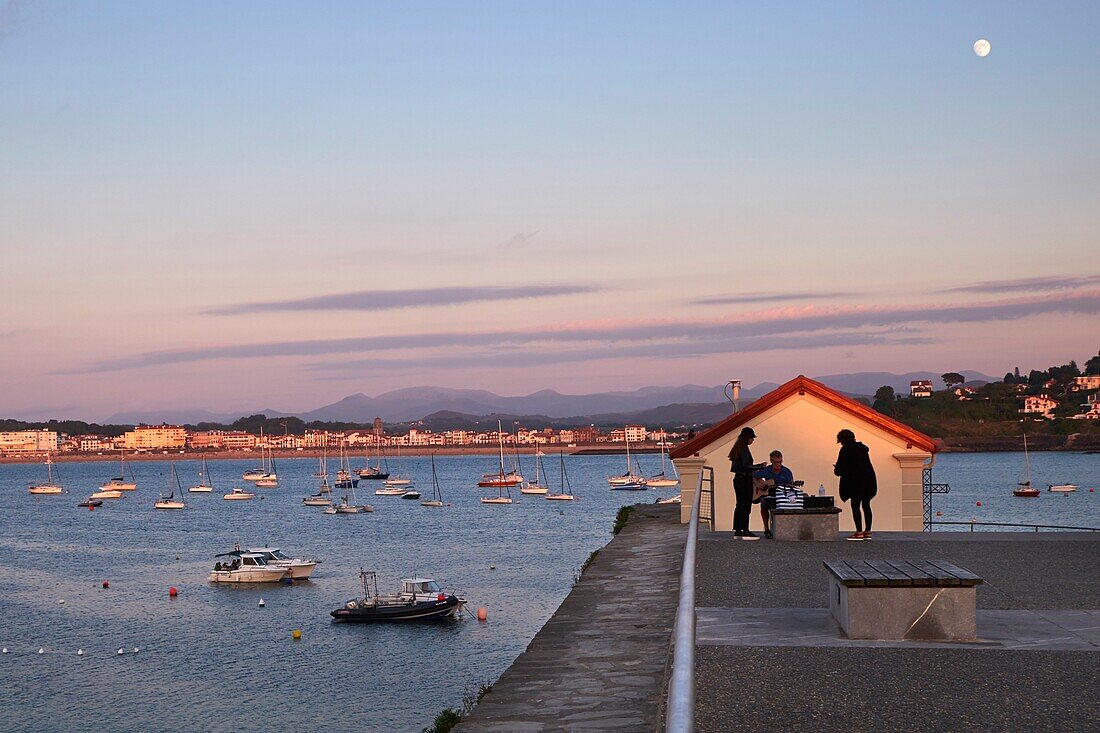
point(238, 494)
point(119, 482)
point(411, 495)
point(298, 568)
point(1062, 488)
point(1025, 488)
point(49, 487)
point(437, 495)
point(205, 485)
point(92, 503)
point(245, 567)
point(420, 599)
point(535, 487)
point(170, 501)
point(566, 489)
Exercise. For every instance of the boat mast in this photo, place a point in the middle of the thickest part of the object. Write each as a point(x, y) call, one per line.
point(500, 439)
point(1027, 461)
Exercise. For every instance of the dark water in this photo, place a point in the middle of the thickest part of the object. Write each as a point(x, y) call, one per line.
point(212, 660)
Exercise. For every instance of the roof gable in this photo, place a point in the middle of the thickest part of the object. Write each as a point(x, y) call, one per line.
point(797, 386)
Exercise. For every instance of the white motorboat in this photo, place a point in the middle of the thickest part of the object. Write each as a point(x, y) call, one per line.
point(397, 481)
point(120, 482)
point(437, 495)
point(267, 483)
point(298, 568)
point(566, 488)
point(170, 501)
point(670, 500)
point(412, 494)
point(1062, 488)
point(107, 494)
point(205, 485)
point(391, 491)
point(238, 494)
point(49, 487)
point(246, 567)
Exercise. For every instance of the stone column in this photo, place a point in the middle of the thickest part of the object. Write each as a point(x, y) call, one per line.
point(912, 489)
point(688, 470)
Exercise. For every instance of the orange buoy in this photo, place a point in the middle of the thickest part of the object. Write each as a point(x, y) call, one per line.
point(172, 592)
point(939, 514)
point(296, 634)
point(483, 614)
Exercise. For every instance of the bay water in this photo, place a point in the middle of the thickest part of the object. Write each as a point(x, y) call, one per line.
point(212, 659)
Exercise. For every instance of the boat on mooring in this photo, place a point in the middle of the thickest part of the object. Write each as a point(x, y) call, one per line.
point(50, 486)
point(245, 567)
point(566, 493)
point(120, 481)
point(1062, 488)
point(238, 494)
point(298, 568)
point(420, 599)
point(1024, 488)
point(437, 495)
point(170, 501)
point(205, 485)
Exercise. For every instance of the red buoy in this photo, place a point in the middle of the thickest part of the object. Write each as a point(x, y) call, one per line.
point(172, 592)
point(482, 614)
point(979, 504)
point(106, 584)
point(91, 508)
point(441, 597)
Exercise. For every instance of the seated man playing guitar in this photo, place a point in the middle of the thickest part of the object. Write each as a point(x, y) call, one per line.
point(774, 474)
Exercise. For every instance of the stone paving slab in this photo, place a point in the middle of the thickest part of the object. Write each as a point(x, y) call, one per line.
point(600, 662)
point(815, 627)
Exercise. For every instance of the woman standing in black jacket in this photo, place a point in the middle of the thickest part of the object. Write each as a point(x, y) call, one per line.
point(857, 480)
point(742, 467)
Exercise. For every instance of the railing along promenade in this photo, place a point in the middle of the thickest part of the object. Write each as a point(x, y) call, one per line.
point(1035, 527)
point(680, 711)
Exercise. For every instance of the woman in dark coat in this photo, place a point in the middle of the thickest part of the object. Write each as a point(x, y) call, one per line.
point(857, 480)
point(742, 467)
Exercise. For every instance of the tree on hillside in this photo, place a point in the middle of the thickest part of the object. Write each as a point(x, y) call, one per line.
point(952, 379)
point(1092, 366)
point(884, 399)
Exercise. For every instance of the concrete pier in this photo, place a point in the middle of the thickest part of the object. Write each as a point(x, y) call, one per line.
point(600, 662)
point(769, 657)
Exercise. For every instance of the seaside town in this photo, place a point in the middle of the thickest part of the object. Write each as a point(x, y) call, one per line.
point(177, 438)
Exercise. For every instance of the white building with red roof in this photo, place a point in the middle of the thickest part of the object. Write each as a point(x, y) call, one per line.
point(801, 418)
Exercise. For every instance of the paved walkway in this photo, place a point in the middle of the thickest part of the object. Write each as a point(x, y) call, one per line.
point(599, 663)
point(769, 658)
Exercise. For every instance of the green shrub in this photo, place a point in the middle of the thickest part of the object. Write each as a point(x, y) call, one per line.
point(620, 519)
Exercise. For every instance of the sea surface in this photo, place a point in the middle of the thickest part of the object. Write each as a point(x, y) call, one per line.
point(212, 659)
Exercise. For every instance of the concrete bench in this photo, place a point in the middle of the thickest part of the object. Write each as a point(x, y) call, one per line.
point(806, 524)
point(927, 600)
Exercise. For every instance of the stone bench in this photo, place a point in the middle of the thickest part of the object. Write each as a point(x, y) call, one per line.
point(806, 524)
point(927, 600)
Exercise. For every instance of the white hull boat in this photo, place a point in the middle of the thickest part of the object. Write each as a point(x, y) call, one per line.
point(437, 495)
point(238, 495)
point(496, 500)
point(397, 482)
point(297, 568)
point(267, 483)
point(389, 492)
point(106, 494)
point(168, 504)
point(119, 485)
point(170, 501)
point(49, 487)
point(1062, 488)
point(246, 567)
point(533, 489)
point(200, 489)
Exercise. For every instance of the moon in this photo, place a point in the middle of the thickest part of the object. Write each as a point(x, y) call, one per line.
point(981, 47)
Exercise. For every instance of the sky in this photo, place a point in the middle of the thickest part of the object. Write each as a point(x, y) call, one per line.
point(248, 205)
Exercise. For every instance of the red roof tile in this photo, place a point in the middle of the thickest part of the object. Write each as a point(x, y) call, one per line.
point(804, 385)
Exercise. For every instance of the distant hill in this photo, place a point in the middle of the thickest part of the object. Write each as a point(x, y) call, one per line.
point(687, 403)
point(668, 416)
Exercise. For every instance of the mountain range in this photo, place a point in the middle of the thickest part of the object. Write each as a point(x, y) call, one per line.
point(415, 403)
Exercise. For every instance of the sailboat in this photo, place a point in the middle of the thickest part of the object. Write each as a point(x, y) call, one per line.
point(119, 482)
point(437, 495)
point(170, 501)
point(566, 489)
point(661, 480)
point(205, 485)
point(379, 471)
point(271, 480)
point(344, 479)
point(319, 499)
point(500, 478)
point(49, 487)
point(629, 481)
point(1025, 488)
point(534, 487)
point(398, 480)
point(255, 474)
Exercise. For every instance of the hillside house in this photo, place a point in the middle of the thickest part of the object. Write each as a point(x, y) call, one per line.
point(920, 388)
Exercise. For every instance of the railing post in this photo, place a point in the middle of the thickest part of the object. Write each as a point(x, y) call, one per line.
point(680, 713)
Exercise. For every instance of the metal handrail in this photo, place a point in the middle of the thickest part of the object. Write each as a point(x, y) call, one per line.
point(680, 713)
point(1036, 527)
